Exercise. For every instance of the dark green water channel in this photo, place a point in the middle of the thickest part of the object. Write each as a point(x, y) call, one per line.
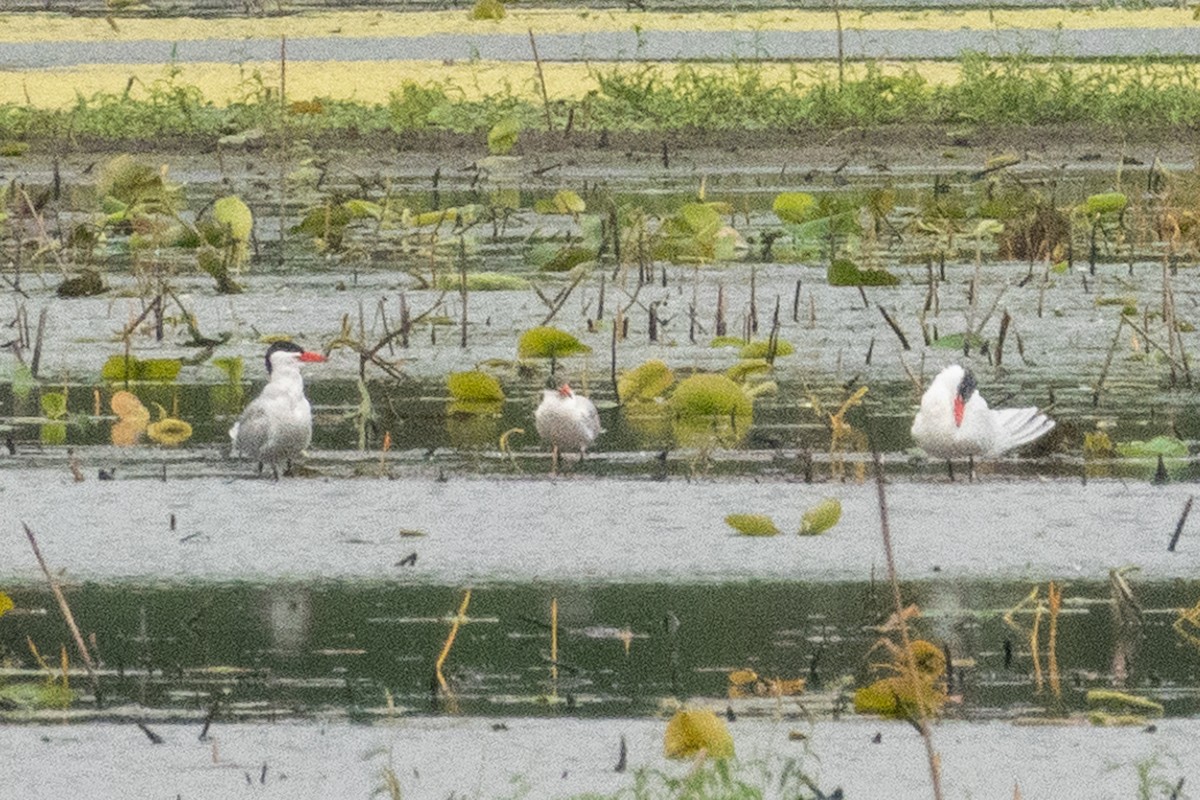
point(191, 651)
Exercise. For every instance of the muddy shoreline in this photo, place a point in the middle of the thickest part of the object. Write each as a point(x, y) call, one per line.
point(929, 147)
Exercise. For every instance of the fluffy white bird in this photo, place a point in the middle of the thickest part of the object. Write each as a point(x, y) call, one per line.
point(277, 426)
point(954, 420)
point(566, 420)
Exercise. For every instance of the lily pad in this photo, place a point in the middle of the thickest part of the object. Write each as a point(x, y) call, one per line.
point(742, 370)
point(483, 282)
point(169, 431)
point(821, 517)
point(6, 604)
point(474, 387)
point(957, 341)
point(844, 272)
point(752, 524)
point(645, 382)
point(548, 342)
point(564, 202)
point(54, 405)
point(132, 368)
point(710, 395)
point(759, 348)
point(693, 730)
point(1120, 701)
point(1165, 446)
point(1105, 203)
point(502, 137)
point(794, 207)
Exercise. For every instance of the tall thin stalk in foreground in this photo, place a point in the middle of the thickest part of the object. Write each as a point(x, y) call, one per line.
point(919, 721)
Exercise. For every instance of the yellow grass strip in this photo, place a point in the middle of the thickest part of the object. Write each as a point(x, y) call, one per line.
point(42, 27)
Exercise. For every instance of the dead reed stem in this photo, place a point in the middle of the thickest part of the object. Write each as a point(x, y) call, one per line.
point(922, 725)
point(84, 653)
point(537, 61)
point(455, 623)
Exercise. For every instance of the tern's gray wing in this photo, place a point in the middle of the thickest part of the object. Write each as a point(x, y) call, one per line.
point(253, 431)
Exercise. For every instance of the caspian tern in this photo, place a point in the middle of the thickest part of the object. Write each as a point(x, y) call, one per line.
point(954, 420)
point(277, 426)
point(566, 420)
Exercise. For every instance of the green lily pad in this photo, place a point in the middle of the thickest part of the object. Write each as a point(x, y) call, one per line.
point(132, 368)
point(645, 381)
point(821, 517)
point(548, 342)
point(760, 347)
point(1165, 446)
point(956, 341)
point(794, 207)
point(1105, 203)
point(502, 137)
point(752, 524)
point(844, 272)
point(483, 282)
point(54, 405)
point(710, 395)
point(474, 387)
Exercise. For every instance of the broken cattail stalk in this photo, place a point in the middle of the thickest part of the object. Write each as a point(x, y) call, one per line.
point(653, 313)
point(56, 590)
point(613, 365)
point(895, 328)
point(1112, 348)
point(1187, 509)
point(600, 302)
point(1054, 600)
point(773, 338)
point(796, 303)
point(35, 362)
point(753, 299)
point(720, 325)
point(537, 61)
point(462, 273)
point(553, 646)
point(455, 623)
point(1004, 320)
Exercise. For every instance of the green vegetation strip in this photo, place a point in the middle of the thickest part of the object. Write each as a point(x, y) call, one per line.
point(652, 97)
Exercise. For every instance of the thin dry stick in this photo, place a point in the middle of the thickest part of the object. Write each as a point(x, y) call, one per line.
point(1187, 509)
point(66, 611)
point(537, 61)
point(458, 620)
point(935, 766)
point(1038, 680)
point(554, 647)
point(1054, 599)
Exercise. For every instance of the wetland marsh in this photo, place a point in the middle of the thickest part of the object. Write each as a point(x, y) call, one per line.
point(422, 610)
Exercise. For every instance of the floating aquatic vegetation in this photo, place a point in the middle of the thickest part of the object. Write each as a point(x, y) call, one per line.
point(6, 604)
point(482, 282)
point(86, 284)
point(130, 189)
point(1097, 444)
point(474, 387)
point(133, 417)
point(746, 368)
point(502, 137)
point(695, 234)
point(748, 683)
point(795, 207)
point(1104, 203)
point(821, 517)
point(752, 524)
point(1120, 702)
point(54, 405)
point(647, 381)
point(564, 201)
point(549, 342)
point(915, 692)
point(706, 395)
point(1165, 446)
point(959, 341)
point(761, 348)
point(695, 731)
point(169, 430)
point(566, 258)
point(844, 272)
point(124, 368)
point(235, 217)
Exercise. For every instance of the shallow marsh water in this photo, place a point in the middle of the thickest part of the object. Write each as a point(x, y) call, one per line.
point(302, 599)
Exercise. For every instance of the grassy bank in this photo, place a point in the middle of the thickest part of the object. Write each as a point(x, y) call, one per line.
point(175, 101)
